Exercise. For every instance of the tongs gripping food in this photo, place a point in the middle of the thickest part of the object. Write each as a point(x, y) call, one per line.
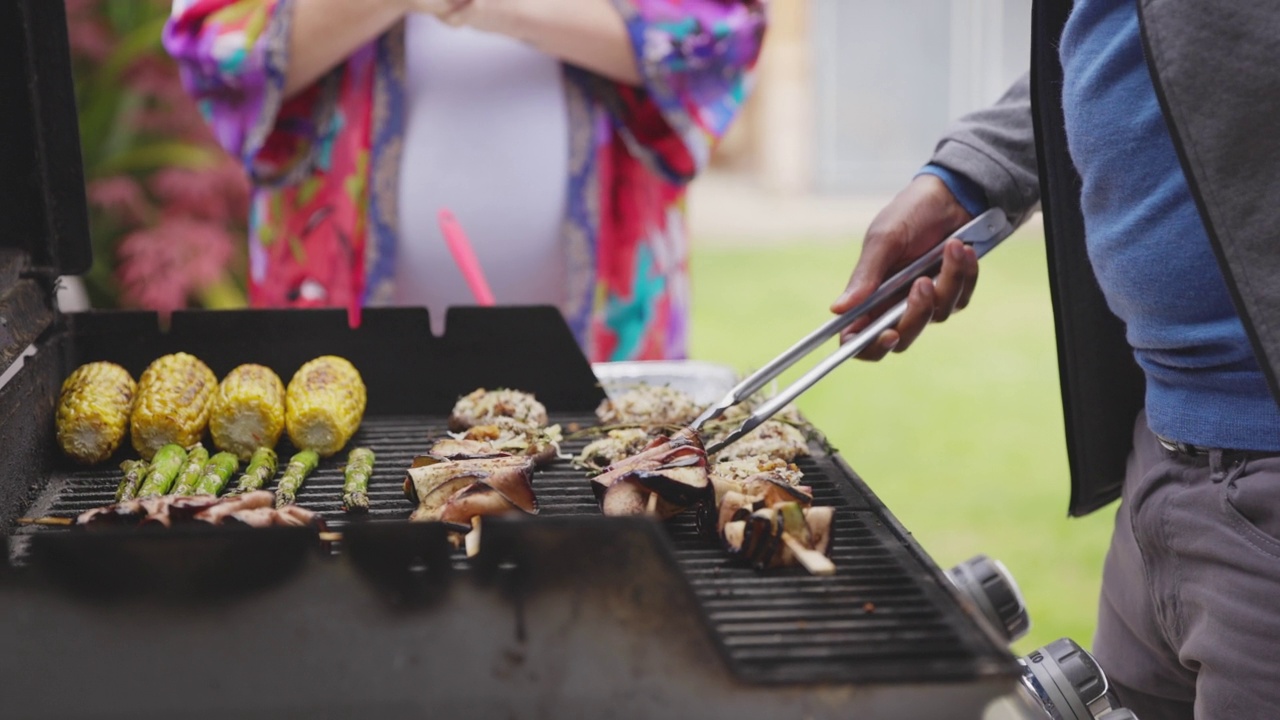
point(982, 233)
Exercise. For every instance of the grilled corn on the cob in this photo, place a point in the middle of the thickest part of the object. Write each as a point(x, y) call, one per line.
point(174, 395)
point(324, 405)
point(248, 410)
point(93, 411)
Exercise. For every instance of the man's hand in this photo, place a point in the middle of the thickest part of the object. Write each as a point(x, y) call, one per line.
point(914, 222)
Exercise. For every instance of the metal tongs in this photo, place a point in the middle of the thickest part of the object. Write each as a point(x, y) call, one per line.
point(982, 233)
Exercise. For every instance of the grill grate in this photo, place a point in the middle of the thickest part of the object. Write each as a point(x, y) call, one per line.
point(878, 611)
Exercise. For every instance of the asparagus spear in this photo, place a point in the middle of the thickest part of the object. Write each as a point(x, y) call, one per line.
point(217, 472)
point(165, 466)
point(262, 467)
point(300, 466)
point(134, 472)
point(355, 491)
point(190, 475)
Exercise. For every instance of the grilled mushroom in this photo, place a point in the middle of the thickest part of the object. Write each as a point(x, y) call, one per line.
point(616, 445)
point(649, 406)
point(483, 407)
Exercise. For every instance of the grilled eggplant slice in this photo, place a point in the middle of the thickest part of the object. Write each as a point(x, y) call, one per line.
point(674, 469)
point(504, 436)
point(435, 482)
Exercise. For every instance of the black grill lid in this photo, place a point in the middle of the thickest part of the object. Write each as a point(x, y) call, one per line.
point(43, 211)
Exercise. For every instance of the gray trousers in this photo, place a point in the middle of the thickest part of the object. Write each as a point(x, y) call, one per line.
point(1189, 619)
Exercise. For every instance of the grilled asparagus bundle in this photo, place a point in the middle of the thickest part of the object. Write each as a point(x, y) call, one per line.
point(191, 471)
point(134, 472)
point(93, 411)
point(300, 466)
point(355, 489)
point(165, 466)
point(248, 411)
point(216, 473)
point(174, 395)
point(324, 405)
point(262, 467)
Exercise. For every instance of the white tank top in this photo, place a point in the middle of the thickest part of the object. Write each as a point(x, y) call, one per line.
point(486, 136)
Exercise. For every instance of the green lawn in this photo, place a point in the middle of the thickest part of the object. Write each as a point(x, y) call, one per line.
point(961, 436)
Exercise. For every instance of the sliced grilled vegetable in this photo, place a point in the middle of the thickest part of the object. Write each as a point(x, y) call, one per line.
point(134, 472)
point(93, 411)
point(165, 466)
point(355, 489)
point(197, 457)
point(455, 491)
point(217, 472)
point(174, 395)
point(324, 404)
point(262, 467)
point(248, 410)
point(252, 509)
point(668, 476)
point(300, 466)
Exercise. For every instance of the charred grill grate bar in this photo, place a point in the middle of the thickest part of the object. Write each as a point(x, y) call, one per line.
point(877, 618)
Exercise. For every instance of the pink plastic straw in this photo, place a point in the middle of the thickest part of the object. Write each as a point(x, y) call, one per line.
point(465, 256)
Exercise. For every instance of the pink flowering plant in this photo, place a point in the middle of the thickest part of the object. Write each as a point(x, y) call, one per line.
point(167, 206)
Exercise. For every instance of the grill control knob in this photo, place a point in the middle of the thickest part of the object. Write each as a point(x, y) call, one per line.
point(1068, 682)
point(988, 583)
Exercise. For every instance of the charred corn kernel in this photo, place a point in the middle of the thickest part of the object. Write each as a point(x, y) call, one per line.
point(248, 411)
point(174, 395)
point(93, 411)
point(324, 404)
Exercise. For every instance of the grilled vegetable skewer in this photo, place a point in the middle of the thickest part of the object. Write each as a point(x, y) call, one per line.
point(134, 472)
point(355, 489)
point(248, 410)
point(262, 467)
point(93, 411)
point(191, 471)
point(217, 472)
point(174, 395)
point(166, 465)
point(300, 466)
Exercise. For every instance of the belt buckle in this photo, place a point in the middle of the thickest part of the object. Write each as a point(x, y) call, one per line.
point(1181, 447)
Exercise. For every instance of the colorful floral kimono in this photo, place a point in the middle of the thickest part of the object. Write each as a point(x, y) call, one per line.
point(325, 163)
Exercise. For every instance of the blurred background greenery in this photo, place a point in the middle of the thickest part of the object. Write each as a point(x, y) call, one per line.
point(961, 436)
point(167, 207)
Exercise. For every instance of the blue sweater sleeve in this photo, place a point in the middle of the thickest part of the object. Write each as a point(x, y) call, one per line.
point(968, 194)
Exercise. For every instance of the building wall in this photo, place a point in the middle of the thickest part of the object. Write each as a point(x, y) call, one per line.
point(852, 94)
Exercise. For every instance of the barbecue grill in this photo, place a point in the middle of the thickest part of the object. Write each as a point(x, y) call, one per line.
point(567, 614)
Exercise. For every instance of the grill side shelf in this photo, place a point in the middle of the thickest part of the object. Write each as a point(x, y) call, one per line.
point(882, 617)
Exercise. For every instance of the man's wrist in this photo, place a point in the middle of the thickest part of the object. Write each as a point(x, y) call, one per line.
point(967, 193)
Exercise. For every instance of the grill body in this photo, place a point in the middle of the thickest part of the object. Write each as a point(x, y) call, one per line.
point(566, 614)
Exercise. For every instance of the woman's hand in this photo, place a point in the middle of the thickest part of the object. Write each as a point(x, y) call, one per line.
point(439, 8)
point(914, 222)
point(588, 33)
